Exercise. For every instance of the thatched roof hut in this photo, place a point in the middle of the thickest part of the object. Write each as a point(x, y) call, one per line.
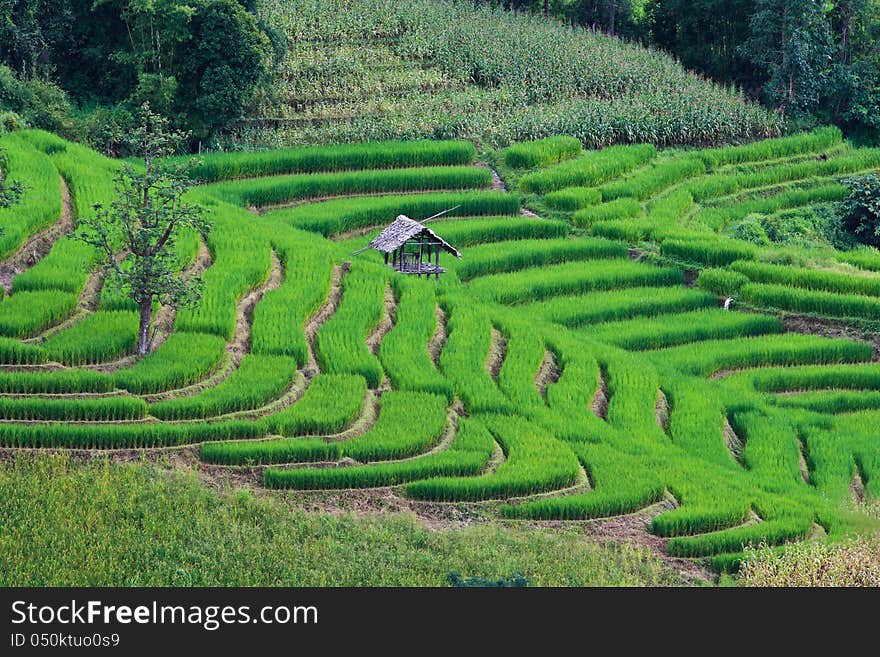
point(409, 246)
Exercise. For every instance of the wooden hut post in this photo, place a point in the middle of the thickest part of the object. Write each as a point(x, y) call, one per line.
point(437, 261)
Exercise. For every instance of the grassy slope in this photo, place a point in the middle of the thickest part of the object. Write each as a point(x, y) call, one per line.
point(112, 525)
point(360, 70)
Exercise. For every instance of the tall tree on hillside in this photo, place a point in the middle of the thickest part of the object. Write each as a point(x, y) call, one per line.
point(854, 91)
point(705, 35)
point(791, 40)
point(143, 221)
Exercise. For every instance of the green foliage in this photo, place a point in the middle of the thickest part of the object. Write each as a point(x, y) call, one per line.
point(622, 208)
point(96, 338)
point(862, 209)
point(542, 153)
point(769, 149)
point(791, 40)
point(257, 381)
point(13, 352)
point(329, 404)
point(147, 212)
point(279, 319)
point(657, 176)
point(408, 423)
point(468, 232)
point(722, 282)
point(337, 216)
point(118, 436)
point(463, 359)
point(571, 278)
point(467, 455)
point(284, 189)
point(340, 345)
point(668, 330)
point(34, 100)
point(181, 360)
point(810, 279)
point(55, 382)
point(470, 70)
point(711, 356)
point(573, 198)
point(404, 350)
point(30, 198)
point(241, 261)
point(522, 473)
point(190, 535)
point(25, 314)
point(589, 170)
point(607, 306)
point(214, 167)
point(286, 450)
point(800, 300)
point(502, 257)
point(108, 409)
point(714, 253)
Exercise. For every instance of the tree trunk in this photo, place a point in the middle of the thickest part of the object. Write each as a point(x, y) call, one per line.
point(143, 345)
point(547, 8)
point(612, 19)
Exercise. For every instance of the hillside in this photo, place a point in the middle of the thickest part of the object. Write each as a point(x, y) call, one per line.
point(565, 368)
point(362, 70)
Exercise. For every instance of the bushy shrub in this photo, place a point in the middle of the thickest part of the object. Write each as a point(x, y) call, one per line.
point(862, 208)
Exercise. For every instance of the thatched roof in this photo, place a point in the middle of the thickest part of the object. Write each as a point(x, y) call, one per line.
point(403, 229)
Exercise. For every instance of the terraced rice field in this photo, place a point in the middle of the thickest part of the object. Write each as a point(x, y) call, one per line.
point(566, 368)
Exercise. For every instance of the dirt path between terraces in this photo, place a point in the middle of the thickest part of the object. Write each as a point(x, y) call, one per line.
point(325, 312)
point(438, 339)
point(497, 353)
point(237, 348)
point(548, 373)
point(389, 315)
point(38, 246)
